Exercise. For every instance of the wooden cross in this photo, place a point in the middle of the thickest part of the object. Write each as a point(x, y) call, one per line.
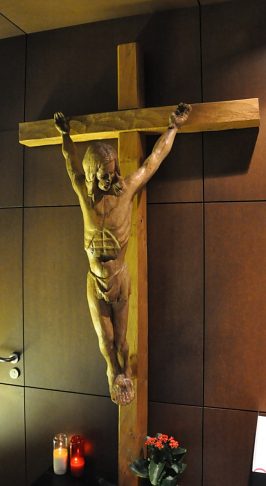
point(127, 125)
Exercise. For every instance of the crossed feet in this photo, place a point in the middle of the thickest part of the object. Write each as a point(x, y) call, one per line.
point(122, 390)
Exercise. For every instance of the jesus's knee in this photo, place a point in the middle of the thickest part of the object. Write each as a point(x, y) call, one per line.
point(106, 344)
point(122, 347)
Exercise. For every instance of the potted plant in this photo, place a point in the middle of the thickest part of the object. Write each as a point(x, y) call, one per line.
point(163, 464)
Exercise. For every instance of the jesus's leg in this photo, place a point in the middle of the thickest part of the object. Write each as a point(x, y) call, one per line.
point(123, 382)
point(101, 317)
point(120, 319)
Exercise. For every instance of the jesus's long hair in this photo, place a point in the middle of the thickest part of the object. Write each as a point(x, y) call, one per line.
point(96, 155)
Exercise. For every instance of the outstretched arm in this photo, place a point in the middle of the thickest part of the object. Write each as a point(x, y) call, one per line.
point(73, 164)
point(161, 148)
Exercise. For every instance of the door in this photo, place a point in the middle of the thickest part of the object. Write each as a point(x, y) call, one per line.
point(12, 433)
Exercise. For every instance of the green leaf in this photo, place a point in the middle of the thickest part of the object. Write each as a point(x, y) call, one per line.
point(155, 471)
point(169, 481)
point(182, 468)
point(140, 468)
point(179, 451)
point(176, 467)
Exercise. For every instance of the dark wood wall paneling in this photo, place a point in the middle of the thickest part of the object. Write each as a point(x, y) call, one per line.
point(228, 437)
point(74, 70)
point(11, 162)
point(12, 443)
point(170, 78)
point(235, 305)
point(234, 66)
point(11, 290)
point(176, 303)
point(12, 82)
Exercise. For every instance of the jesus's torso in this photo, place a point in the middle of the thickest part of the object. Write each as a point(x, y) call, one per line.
point(107, 225)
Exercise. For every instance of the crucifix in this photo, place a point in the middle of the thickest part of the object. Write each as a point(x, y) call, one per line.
point(106, 200)
point(128, 125)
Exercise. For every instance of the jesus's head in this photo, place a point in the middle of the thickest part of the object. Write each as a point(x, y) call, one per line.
point(101, 168)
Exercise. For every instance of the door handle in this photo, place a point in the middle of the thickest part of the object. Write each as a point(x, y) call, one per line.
point(13, 358)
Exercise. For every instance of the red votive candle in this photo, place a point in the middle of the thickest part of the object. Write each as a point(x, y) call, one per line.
point(77, 464)
point(77, 461)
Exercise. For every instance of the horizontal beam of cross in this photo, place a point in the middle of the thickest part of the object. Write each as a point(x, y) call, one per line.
point(222, 115)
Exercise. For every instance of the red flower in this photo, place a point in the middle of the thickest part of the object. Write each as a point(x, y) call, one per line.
point(173, 444)
point(163, 438)
point(151, 441)
point(160, 441)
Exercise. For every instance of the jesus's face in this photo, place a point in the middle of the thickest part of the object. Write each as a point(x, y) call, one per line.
point(105, 175)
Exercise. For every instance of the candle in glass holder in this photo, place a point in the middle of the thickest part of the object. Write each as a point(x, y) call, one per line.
point(77, 461)
point(60, 454)
point(77, 464)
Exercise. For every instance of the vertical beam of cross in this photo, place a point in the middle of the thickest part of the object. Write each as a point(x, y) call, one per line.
point(133, 417)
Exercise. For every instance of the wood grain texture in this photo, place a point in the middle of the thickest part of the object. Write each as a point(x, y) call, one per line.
point(130, 76)
point(222, 115)
point(133, 417)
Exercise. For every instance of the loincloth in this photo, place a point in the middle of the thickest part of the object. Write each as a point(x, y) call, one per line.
point(113, 289)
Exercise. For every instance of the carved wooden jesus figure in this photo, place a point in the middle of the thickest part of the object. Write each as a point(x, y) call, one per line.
point(106, 203)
